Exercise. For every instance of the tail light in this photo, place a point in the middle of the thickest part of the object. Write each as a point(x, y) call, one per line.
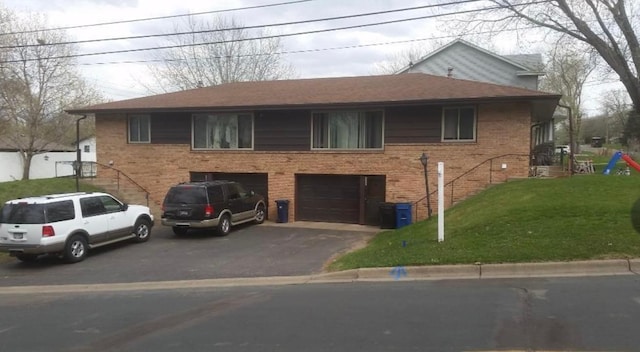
point(47, 231)
point(208, 210)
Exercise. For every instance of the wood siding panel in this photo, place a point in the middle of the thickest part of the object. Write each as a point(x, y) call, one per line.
point(416, 124)
point(171, 128)
point(282, 130)
point(472, 64)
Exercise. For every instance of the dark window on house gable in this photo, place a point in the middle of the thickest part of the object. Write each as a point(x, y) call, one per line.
point(87, 148)
point(222, 131)
point(139, 127)
point(347, 130)
point(459, 124)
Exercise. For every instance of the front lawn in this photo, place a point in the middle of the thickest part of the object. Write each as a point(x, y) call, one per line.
point(533, 220)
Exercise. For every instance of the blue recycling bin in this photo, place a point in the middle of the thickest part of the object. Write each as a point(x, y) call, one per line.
point(283, 210)
point(403, 214)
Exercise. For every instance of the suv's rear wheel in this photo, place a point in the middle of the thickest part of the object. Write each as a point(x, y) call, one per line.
point(224, 226)
point(180, 231)
point(27, 258)
point(76, 249)
point(260, 214)
point(142, 230)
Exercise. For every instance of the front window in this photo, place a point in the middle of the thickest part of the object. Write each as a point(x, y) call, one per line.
point(347, 130)
point(139, 127)
point(459, 124)
point(222, 131)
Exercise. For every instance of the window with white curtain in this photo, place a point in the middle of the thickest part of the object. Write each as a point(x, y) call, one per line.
point(459, 124)
point(222, 131)
point(347, 130)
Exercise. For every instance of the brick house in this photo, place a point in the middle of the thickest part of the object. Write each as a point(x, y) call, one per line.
point(334, 147)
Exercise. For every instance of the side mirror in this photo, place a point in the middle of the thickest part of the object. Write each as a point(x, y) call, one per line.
point(252, 193)
point(125, 206)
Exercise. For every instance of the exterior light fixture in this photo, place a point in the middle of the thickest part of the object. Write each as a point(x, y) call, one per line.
point(424, 160)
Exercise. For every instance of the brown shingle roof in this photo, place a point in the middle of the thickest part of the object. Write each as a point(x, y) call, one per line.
point(388, 89)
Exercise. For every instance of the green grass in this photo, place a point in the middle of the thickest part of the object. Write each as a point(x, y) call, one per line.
point(533, 220)
point(26, 188)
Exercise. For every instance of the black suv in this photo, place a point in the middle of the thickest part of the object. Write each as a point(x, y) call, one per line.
point(212, 204)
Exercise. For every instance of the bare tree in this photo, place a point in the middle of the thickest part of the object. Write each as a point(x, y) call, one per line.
point(37, 83)
point(567, 70)
point(396, 62)
point(616, 107)
point(215, 52)
point(608, 26)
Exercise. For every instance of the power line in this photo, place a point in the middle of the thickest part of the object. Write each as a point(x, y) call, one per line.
point(157, 18)
point(245, 27)
point(301, 51)
point(258, 38)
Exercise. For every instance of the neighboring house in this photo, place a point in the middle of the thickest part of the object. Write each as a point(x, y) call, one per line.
point(463, 60)
point(57, 161)
point(334, 147)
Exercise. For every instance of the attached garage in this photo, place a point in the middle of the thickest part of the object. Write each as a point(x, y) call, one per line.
point(339, 198)
point(257, 182)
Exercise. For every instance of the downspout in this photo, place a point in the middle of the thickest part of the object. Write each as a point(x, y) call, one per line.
point(571, 146)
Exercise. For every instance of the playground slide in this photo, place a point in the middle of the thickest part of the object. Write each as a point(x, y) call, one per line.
point(617, 156)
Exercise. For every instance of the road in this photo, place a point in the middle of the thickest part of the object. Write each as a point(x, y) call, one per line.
point(554, 314)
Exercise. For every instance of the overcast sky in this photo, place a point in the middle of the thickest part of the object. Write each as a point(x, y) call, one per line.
point(324, 58)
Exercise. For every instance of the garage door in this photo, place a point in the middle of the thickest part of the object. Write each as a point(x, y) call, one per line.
point(255, 182)
point(330, 198)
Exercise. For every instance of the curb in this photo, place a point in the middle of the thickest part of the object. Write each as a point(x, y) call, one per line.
point(400, 273)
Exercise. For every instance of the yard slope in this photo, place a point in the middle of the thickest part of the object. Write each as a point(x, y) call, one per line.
point(532, 220)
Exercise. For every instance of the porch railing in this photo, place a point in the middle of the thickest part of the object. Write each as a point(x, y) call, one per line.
point(119, 178)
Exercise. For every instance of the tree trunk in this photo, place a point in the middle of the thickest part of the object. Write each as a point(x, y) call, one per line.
point(26, 164)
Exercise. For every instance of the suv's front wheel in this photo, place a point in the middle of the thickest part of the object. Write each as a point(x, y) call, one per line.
point(76, 249)
point(142, 230)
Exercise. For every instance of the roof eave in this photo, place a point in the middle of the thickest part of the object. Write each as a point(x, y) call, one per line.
point(317, 105)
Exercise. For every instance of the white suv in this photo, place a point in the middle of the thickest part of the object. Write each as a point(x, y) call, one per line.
point(69, 224)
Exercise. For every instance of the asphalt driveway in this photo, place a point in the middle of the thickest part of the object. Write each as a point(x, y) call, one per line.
point(249, 251)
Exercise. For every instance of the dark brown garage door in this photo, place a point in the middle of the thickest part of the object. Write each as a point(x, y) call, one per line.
point(258, 183)
point(330, 198)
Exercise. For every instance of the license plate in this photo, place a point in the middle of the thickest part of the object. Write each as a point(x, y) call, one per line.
point(183, 213)
point(18, 236)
